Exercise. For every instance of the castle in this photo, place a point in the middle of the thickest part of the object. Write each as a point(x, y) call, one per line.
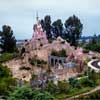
point(39, 36)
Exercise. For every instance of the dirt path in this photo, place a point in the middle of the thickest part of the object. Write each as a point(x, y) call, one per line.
point(84, 94)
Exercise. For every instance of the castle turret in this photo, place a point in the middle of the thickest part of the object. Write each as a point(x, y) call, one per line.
point(39, 36)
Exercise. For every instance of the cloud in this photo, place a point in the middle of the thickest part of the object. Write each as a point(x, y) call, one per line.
point(20, 14)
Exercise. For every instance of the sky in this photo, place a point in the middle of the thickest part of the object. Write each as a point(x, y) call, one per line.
point(21, 14)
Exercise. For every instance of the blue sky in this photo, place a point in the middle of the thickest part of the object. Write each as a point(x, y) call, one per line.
point(21, 14)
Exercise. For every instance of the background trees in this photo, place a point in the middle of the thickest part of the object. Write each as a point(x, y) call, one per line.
point(57, 28)
point(71, 32)
point(94, 44)
point(7, 83)
point(26, 93)
point(46, 25)
point(73, 29)
point(7, 40)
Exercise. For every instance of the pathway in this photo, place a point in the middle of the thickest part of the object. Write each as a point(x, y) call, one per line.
point(94, 64)
point(84, 94)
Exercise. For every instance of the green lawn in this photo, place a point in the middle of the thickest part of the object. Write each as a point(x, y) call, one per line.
point(6, 57)
point(73, 92)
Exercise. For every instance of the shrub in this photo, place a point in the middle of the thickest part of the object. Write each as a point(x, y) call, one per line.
point(63, 86)
point(50, 40)
point(4, 71)
point(22, 93)
point(87, 82)
point(51, 87)
point(25, 68)
point(85, 51)
point(26, 93)
point(7, 56)
point(61, 53)
point(93, 46)
point(74, 82)
point(35, 61)
point(54, 53)
point(7, 83)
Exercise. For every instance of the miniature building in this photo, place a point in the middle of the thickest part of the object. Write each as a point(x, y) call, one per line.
point(39, 36)
point(55, 60)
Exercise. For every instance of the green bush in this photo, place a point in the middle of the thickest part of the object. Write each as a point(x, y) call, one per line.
point(35, 61)
point(6, 81)
point(50, 40)
point(93, 46)
point(25, 68)
point(4, 71)
point(7, 56)
point(51, 87)
point(85, 51)
point(63, 87)
point(86, 82)
point(26, 93)
point(61, 53)
point(74, 82)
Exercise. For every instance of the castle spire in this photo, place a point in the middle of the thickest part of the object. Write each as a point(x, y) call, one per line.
point(37, 17)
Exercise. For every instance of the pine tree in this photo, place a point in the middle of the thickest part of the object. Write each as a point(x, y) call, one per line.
point(7, 40)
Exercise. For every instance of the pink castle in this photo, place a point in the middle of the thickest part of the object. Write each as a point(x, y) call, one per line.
point(39, 36)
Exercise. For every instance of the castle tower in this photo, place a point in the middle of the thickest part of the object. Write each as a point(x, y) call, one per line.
point(39, 36)
point(37, 17)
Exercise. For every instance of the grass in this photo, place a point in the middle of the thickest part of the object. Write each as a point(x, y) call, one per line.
point(6, 57)
point(76, 91)
point(38, 62)
point(98, 82)
point(72, 92)
point(94, 95)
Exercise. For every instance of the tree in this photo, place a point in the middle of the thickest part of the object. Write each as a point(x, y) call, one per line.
point(63, 86)
point(4, 72)
point(7, 83)
point(7, 40)
point(74, 82)
point(86, 82)
point(26, 93)
point(73, 30)
point(57, 28)
point(94, 39)
point(47, 26)
point(51, 87)
point(93, 76)
point(42, 24)
point(93, 45)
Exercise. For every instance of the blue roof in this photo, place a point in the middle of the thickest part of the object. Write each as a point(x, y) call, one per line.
point(69, 64)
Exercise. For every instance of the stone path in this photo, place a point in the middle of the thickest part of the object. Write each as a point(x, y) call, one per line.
point(84, 94)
